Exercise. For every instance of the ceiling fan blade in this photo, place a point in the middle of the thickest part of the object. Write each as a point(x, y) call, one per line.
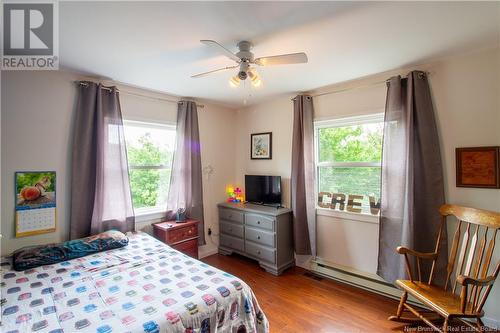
point(212, 71)
point(221, 49)
point(292, 58)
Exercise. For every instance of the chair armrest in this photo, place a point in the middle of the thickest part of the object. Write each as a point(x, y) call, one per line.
point(466, 280)
point(422, 255)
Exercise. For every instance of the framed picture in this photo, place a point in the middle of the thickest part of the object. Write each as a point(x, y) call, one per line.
point(35, 202)
point(478, 167)
point(261, 146)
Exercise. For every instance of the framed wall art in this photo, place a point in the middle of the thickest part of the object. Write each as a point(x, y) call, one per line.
point(261, 146)
point(478, 167)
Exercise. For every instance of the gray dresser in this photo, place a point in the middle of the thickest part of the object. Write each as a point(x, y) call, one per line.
point(259, 232)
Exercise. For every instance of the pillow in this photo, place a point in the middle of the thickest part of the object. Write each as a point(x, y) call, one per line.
point(34, 256)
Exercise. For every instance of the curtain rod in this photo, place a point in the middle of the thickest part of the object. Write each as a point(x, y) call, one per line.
point(357, 87)
point(125, 92)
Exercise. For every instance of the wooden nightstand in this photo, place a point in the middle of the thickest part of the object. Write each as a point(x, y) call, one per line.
point(181, 236)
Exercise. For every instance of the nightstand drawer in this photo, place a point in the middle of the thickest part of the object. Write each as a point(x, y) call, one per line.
point(231, 229)
point(260, 252)
point(232, 242)
point(178, 235)
point(189, 247)
point(230, 215)
point(259, 221)
point(260, 236)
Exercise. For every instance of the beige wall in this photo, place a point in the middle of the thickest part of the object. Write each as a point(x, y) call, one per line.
point(37, 107)
point(37, 111)
point(466, 92)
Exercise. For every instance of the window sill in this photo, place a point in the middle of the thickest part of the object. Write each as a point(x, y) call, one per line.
point(357, 217)
point(154, 214)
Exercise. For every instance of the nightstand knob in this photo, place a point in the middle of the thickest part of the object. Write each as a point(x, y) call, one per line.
point(230, 230)
point(258, 222)
point(258, 237)
point(258, 252)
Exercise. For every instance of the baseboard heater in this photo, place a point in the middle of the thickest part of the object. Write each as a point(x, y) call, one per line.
point(369, 282)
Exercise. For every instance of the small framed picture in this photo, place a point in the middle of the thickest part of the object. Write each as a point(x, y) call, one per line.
point(261, 146)
point(478, 167)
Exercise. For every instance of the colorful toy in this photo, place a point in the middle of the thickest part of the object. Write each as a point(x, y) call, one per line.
point(234, 194)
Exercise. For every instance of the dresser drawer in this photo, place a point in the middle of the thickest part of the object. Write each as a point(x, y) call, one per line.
point(230, 215)
point(180, 234)
point(261, 252)
point(259, 221)
point(189, 247)
point(232, 242)
point(231, 228)
point(260, 236)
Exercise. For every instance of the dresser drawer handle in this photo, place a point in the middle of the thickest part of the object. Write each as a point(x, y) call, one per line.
point(258, 252)
point(258, 237)
point(258, 222)
point(230, 216)
point(230, 229)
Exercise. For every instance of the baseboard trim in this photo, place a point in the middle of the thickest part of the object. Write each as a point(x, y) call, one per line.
point(202, 253)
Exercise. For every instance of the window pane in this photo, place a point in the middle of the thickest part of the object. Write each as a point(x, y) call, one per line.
point(359, 143)
point(149, 187)
point(149, 145)
point(362, 181)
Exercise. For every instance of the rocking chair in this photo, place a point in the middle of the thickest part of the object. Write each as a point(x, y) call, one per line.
point(474, 243)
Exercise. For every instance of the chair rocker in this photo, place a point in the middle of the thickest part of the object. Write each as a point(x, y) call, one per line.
point(468, 281)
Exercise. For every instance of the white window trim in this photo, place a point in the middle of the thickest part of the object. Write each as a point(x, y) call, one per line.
point(343, 122)
point(146, 214)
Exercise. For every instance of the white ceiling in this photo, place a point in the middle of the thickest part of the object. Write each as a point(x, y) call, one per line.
point(156, 45)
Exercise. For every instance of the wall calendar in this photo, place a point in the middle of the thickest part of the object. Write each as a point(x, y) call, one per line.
point(35, 202)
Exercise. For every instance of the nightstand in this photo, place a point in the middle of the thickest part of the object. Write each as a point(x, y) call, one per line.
point(181, 236)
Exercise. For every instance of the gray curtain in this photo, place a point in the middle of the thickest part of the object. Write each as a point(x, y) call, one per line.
point(302, 182)
point(100, 190)
point(412, 177)
point(186, 189)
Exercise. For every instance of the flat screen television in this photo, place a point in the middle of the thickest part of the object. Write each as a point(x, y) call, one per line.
point(263, 189)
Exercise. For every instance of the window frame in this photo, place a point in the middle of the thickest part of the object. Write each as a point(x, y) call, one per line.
point(377, 117)
point(147, 213)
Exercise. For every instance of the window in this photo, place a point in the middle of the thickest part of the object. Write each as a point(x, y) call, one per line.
point(150, 150)
point(348, 163)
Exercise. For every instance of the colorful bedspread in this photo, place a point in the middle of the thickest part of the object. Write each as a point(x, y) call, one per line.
point(144, 287)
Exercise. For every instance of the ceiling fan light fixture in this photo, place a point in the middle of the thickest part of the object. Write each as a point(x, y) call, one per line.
point(254, 78)
point(234, 81)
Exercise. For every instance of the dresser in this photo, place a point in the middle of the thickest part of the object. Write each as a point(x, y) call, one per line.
point(181, 236)
point(258, 232)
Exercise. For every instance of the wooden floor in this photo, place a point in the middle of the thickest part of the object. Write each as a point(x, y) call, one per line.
point(294, 302)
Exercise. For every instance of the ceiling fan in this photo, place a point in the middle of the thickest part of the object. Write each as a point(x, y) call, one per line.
point(245, 58)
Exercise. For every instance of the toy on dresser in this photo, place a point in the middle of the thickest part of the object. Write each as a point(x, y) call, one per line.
point(234, 194)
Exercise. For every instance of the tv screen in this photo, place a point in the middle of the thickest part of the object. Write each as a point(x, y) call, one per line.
point(263, 189)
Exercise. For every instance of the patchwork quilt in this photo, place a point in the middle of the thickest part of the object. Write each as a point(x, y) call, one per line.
point(144, 287)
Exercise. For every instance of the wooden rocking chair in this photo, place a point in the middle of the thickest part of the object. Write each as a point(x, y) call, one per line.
point(474, 243)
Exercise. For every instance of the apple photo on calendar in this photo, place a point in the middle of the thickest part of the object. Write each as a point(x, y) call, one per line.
point(35, 189)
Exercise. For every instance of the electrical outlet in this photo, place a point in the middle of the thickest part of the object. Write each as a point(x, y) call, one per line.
point(209, 231)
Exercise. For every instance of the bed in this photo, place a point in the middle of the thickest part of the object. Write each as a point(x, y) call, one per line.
point(145, 286)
